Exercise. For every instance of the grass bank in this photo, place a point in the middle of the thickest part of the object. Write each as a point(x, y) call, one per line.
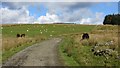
point(80, 53)
point(67, 61)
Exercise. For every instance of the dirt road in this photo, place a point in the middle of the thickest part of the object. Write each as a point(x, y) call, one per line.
point(40, 54)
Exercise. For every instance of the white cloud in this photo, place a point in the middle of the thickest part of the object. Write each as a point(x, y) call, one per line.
point(97, 19)
point(75, 17)
point(49, 18)
point(85, 21)
point(76, 12)
point(16, 16)
point(81, 15)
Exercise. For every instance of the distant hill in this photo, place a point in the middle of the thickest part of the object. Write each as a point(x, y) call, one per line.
point(112, 19)
point(64, 23)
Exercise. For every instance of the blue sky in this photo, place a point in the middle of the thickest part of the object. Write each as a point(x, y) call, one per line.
point(42, 12)
point(106, 8)
point(37, 10)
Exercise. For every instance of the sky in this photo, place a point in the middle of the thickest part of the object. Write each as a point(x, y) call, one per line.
point(56, 12)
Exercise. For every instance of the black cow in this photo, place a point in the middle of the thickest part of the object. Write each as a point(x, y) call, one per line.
point(22, 35)
point(85, 36)
point(18, 35)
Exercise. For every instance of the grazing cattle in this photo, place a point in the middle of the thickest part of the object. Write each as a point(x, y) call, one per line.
point(18, 35)
point(85, 36)
point(92, 50)
point(22, 35)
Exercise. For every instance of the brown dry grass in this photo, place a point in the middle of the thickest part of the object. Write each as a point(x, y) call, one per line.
point(13, 42)
point(10, 42)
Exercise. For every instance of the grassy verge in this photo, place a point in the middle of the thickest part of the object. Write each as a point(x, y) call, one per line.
point(68, 61)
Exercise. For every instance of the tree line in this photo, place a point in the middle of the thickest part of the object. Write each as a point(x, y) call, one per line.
point(112, 19)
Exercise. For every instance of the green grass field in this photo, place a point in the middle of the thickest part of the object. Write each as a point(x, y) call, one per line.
point(44, 30)
point(72, 51)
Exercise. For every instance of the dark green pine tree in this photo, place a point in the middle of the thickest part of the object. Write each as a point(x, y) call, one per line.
point(112, 19)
